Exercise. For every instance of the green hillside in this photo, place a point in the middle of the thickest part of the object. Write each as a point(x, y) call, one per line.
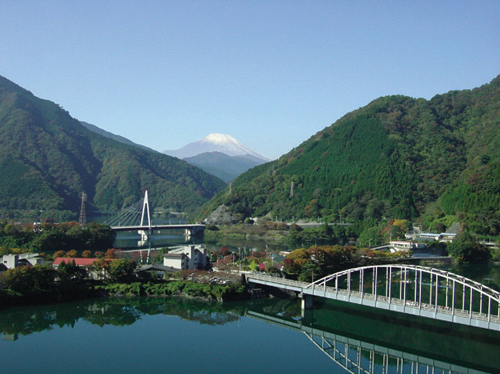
point(397, 157)
point(47, 158)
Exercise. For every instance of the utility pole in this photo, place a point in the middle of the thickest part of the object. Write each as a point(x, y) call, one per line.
point(239, 249)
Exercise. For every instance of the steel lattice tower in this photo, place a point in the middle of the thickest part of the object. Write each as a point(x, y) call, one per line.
point(83, 215)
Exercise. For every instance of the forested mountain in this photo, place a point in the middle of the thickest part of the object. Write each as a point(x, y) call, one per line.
point(397, 157)
point(47, 158)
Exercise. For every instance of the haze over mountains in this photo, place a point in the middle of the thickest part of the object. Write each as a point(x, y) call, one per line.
point(220, 155)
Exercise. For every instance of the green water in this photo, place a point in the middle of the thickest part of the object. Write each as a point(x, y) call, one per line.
point(262, 336)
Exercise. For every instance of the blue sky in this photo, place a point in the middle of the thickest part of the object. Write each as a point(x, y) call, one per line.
point(269, 73)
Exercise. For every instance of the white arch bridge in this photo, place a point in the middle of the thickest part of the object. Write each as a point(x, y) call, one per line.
point(410, 289)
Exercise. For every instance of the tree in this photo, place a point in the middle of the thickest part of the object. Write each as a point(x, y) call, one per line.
point(72, 254)
point(466, 249)
point(319, 261)
point(29, 279)
point(59, 254)
point(110, 253)
point(69, 271)
point(121, 270)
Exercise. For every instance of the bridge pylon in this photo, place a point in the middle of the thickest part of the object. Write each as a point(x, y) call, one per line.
point(145, 212)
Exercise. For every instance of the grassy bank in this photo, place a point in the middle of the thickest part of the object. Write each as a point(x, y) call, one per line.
point(232, 291)
point(91, 289)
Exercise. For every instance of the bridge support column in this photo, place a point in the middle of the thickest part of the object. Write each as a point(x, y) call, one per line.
point(144, 234)
point(307, 301)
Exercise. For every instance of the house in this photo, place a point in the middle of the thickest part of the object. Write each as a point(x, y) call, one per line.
point(397, 246)
point(448, 237)
point(429, 236)
point(154, 271)
point(12, 261)
point(187, 257)
point(82, 262)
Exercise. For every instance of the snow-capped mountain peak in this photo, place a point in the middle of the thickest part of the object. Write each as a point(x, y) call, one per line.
point(216, 143)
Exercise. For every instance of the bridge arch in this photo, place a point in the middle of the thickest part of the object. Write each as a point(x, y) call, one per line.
point(411, 289)
point(418, 287)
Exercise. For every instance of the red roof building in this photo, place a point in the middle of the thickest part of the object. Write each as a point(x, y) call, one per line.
point(78, 261)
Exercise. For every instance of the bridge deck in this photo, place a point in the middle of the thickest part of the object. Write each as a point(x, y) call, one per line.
point(382, 302)
point(157, 227)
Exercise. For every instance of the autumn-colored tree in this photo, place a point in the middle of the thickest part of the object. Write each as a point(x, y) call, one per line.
point(319, 261)
point(72, 254)
point(224, 251)
point(59, 254)
point(87, 254)
point(111, 253)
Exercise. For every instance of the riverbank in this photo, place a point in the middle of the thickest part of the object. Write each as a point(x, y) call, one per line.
point(180, 288)
point(96, 289)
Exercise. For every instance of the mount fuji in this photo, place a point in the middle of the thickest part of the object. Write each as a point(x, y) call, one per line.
point(220, 155)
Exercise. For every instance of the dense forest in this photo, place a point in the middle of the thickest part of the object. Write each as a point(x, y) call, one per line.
point(47, 158)
point(399, 157)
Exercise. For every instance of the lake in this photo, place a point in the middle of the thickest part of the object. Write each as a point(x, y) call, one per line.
point(261, 336)
point(178, 335)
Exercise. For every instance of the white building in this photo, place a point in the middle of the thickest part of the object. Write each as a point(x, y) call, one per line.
point(187, 257)
point(397, 246)
point(12, 261)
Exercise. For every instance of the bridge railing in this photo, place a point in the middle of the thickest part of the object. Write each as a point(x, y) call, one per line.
point(407, 286)
point(418, 286)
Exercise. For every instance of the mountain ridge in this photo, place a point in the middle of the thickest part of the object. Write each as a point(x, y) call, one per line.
point(433, 160)
point(49, 158)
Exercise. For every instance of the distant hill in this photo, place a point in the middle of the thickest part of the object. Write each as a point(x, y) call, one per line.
point(221, 165)
point(110, 135)
point(397, 157)
point(47, 158)
point(220, 155)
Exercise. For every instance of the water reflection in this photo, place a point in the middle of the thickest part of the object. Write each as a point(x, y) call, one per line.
point(356, 339)
point(360, 339)
point(112, 311)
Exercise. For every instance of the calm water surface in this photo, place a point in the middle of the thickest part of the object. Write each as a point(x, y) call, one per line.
point(264, 336)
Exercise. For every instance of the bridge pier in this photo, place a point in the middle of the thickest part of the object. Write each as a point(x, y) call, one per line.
point(307, 301)
point(193, 231)
point(144, 234)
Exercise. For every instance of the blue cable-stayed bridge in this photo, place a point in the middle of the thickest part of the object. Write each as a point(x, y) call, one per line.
point(137, 217)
